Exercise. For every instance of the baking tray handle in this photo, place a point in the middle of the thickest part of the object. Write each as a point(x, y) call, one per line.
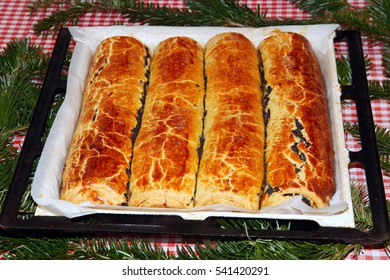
point(368, 155)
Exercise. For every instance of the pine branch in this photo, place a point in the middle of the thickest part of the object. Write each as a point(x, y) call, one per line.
point(379, 13)
point(344, 73)
point(373, 21)
point(253, 224)
point(382, 136)
point(383, 143)
point(31, 248)
point(385, 164)
point(386, 58)
point(319, 8)
point(8, 159)
point(16, 60)
point(68, 13)
point(116, 249)
point(230, 13)
point(379, 90)
point(376, 89)
point(361, 207)
point(35, 5)
point(266, 250)
point(20, 79)
point(197, 13)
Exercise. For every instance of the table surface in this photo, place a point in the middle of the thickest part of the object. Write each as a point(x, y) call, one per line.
point(16, 23)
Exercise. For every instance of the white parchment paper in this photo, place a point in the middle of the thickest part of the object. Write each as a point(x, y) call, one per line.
point(47, 179)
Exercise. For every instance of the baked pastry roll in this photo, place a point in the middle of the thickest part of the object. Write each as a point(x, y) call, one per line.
point(231, 169)
point(299, 152)
point(165, 161)
point(96, 169)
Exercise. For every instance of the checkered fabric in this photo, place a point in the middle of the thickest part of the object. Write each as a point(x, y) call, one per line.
point(16, 22)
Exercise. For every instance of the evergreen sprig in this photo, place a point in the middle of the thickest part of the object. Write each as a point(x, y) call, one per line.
point(8, 159)
point(22, 70)
point(20, 79)
point(116, 249)
point(376, 89)
point(68, 12)
point(379, 89)
point(361, 209)
point(25, 248)
point(196, 13)
point(321, 8)
point(386, 58)
point(373, 20)
point(383, 142)
point(261, 249)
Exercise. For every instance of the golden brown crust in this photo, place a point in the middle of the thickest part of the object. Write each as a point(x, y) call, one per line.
point(299, 152)
point(165, 160)
point(231, 169)
point(96, 169)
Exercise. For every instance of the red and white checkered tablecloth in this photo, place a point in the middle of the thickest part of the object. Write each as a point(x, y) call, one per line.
point(16, 22)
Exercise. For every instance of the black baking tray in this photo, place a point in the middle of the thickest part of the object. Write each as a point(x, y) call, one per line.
point(146, 225)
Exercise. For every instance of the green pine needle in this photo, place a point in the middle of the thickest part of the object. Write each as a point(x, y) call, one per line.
point(261, 249)
point(379, 90)
point(112, 248)
point(228, 13)
point(24, 248)
point(8, 159)
point(382, 136)
point(253, 224)
point(197, 13)
point(376, 89)
point(20, 79)
point(373, 21)
point(31, 248)
point(319, 8)
point(383, 143)
point(344, 73)
point(361, 207)
point(386, 58)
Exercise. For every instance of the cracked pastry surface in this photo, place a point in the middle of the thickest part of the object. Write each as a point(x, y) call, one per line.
point(165, 161)
point(299, 153)
point(231, 168)
point(96, 169)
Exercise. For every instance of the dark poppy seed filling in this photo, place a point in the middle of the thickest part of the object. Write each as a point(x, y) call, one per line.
point(94, 115)
point(270, 190)
point(147, 59)
point(304, 199)
point(299, 153)
point(140, 112)
point(297, 169)
point(128, 171)
point(298, 133)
